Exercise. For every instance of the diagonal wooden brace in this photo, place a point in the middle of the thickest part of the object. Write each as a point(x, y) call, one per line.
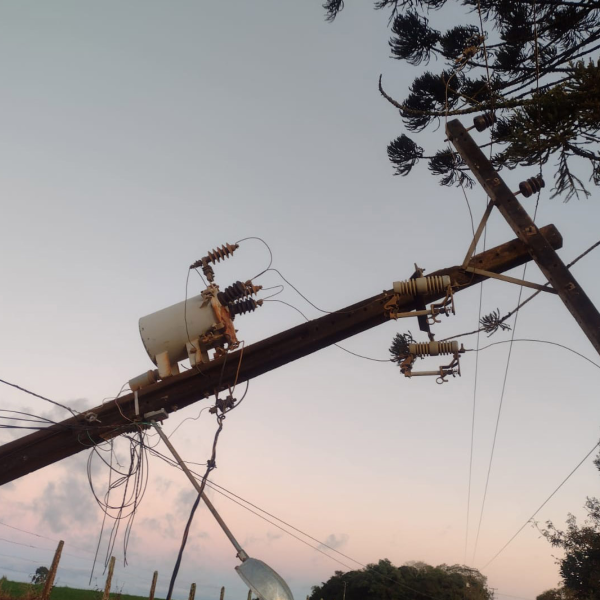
point(561, 279)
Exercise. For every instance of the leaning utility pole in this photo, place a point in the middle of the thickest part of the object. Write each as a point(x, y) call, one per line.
point(49, 445)
point(541, 251)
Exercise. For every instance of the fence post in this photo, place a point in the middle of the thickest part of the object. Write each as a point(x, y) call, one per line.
point(52, 573)
point(153, 586)
point(192, 591)
point(249, 594)
point(111, 568)
point(223, 593)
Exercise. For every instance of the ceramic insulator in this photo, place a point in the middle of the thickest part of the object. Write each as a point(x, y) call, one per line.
point(422, 286)
point(433, 348)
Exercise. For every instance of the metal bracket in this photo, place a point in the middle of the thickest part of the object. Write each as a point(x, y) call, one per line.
point(529, 284)
point(445, 307)
point(482, 224)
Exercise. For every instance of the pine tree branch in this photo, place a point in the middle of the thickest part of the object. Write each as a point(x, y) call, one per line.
point(451, 113)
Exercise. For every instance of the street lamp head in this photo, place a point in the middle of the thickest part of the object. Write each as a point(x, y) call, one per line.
point(263, 580)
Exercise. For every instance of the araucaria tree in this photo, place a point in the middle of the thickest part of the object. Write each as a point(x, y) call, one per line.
point(531, 63)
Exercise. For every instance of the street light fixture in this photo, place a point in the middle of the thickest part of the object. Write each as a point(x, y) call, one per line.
point(266, 583)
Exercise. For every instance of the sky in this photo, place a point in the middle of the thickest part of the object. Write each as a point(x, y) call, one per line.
point(135, 137)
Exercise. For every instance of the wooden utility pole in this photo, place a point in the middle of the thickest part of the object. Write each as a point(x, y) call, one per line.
point(49, 445)
point(192, 591)
point(153, 586)
point(52, 573)
point(542, 252)
point(111, 568)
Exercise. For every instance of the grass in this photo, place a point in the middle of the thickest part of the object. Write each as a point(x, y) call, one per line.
point(11, 590)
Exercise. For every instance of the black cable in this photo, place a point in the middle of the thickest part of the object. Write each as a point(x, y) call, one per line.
point(22, 389)
point(210, 466)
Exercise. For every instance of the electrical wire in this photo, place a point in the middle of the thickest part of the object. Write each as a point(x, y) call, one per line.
point(216, 487)
point(542, 505)
point(501, 403)
point(188, 419)
point(268, 248)
point(133, 482)
point(385, 360)
point(22, 389)
point(210, 465)
point(43, 537)
point(519, 306)
point(473, 413)
point(539, 342)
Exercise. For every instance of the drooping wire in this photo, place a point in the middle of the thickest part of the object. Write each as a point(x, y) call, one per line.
point(385, 360)
point(104, 513)
point(133, 482)
point(540, 342)
point(22, 389)
point(253, 237)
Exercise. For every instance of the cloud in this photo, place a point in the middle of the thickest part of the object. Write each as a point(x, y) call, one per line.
point(185, 499)
point(271, 537)
point(64, 503)
point(335, 541)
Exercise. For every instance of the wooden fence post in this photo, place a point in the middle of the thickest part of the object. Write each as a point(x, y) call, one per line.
point(223, 593)
point(153, 586)
point(192, 591)
point(249, 594)
point(111, 568)
point(52, 573)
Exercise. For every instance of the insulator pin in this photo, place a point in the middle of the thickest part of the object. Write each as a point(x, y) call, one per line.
point(422, 286)
point(433, 348)
point(244, 306)
point(531, 186)
point(482, 122)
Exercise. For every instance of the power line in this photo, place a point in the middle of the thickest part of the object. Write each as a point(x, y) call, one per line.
point(384, 360)
point(473, 415)
point(487, 481)
point(528, 299)
point(512, 337)
point(22, 389)
point(214, 486)
point(538, 342)
point(541, 506)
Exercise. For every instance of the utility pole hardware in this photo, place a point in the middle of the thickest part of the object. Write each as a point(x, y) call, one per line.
point(539, 247)
point(47, 446)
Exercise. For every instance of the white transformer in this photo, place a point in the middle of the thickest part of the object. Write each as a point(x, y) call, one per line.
point(185, 330)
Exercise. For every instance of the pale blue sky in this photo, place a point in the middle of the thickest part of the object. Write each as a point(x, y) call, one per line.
point(138, 135)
